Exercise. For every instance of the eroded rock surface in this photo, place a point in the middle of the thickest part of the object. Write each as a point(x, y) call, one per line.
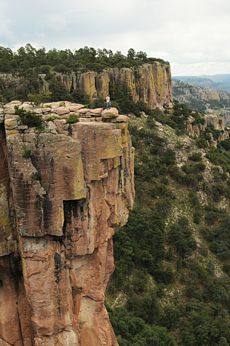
point(149, 83)
point(212, 121)
point(64, 189)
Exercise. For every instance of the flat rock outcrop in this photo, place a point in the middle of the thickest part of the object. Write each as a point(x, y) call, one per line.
point(65, 187)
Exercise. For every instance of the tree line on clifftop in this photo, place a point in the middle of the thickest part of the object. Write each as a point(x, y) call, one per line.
point(65, 61)
point(24, 73)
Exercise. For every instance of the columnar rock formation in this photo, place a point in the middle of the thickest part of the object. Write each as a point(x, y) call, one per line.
point(64, 189)
point(150, 83)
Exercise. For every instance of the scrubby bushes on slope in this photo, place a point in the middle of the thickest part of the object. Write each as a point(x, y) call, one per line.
point(172, 257)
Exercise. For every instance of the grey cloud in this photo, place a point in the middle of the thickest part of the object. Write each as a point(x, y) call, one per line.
point(192, 35)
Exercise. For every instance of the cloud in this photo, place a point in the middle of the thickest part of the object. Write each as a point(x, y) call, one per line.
point(191, 35)
point(5, 23)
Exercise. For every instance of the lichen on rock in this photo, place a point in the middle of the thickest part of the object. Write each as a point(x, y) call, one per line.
point(64, 189)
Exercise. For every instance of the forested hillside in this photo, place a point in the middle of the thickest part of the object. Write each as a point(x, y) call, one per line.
point(171, 283)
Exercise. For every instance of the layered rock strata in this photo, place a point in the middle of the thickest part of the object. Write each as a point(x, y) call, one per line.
point(64, 189)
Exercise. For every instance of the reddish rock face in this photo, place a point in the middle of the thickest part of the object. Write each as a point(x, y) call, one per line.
point(63, 192)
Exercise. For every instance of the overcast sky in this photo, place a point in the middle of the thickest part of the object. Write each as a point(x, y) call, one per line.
point(194, 35)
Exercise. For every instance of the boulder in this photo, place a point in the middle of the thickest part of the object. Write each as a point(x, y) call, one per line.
point(110, 113)
point(61, 110)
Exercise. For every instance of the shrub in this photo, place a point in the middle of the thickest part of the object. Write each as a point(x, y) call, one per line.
point(39, 98)
point(36, 176)
point(180, 237)
point(197, 216)
point(26, 153)
point(196, 156)
point(29, 118)
point(193, 168)
point(145, 306)
point(73, 118)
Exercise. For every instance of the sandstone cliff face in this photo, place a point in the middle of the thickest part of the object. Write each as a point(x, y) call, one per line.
point(197, 95)
point(216, 122)
point(150, 83)
point(63, 192)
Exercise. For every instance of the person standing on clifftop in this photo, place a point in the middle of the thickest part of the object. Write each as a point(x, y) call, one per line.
point(108, 102)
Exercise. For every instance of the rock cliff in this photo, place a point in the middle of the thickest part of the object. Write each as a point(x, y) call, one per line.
point(64, 189)
point(215, 122)
point(150, 83)
point(200, 97)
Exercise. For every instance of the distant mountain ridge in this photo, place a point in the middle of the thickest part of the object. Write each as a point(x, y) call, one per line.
point(216, 82)
point(199, 97)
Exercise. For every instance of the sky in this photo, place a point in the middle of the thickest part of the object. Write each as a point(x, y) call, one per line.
point(193, 35)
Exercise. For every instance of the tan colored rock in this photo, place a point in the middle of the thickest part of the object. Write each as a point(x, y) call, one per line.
point(109, 113)
point(68, 198)
point(45, 110)
point(11, 123)
point(86, 119)
point(75, 107)
point(26, 106)
point(150, 83)
point(121, 119)
point(84, 111)
point(217, 122)
point(62, 110)
point(96, 111)
point(51, 127)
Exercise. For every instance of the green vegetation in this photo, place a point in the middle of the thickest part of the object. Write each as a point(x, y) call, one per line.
point(32, 70)
point(29, 118)
point(73, 118)
point(26, 153)
point(171, 282)
point(36, 176)
point(65, 61)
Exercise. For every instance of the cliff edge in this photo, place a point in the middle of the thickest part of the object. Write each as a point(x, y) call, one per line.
point(66, 184)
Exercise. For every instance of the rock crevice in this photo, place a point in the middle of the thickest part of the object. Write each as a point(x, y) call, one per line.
point(62, 195)
point(149, 83)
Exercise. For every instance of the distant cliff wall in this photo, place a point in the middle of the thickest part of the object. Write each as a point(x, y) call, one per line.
point(200, 97)
point(150, 83)
point(64, 189)
point(217, 123)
